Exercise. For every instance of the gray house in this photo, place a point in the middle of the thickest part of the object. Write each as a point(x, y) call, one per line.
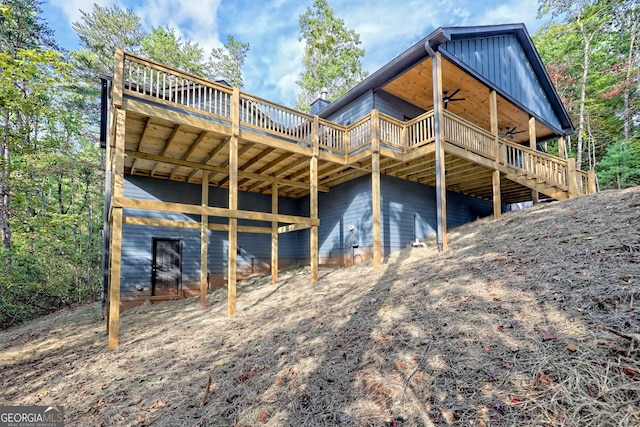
point(207, 184)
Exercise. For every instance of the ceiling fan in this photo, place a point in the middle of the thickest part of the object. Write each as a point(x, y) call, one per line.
point(446, 98)
point(510, 131)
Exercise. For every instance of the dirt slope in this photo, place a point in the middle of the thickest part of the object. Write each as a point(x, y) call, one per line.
point(503, 329)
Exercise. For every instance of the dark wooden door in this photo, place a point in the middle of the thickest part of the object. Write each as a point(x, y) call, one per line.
point(166, 270)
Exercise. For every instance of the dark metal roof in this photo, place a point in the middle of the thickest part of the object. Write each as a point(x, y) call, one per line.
point(418, 53)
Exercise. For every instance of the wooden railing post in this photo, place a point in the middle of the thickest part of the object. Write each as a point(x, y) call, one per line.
point(118, 78)
point(592, 184)
point(572, 178)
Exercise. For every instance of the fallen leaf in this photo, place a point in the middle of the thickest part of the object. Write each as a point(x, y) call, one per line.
point(263, 417)
point(501, 258)
point(630, 372)
point(401, 365)
point(571, 348)
point(545, 379)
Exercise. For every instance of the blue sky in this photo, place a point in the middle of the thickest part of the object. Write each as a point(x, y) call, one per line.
point(271, 27)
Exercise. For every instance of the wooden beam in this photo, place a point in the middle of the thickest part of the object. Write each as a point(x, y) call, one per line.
point(292, 227)
point(118, 78)
point(497, 201)
point(592, 186)
point(572, 177)
point(274, 234)
point(248, 164)
point(535, 196)
point(204, 241)
point(125, 202)
point(199, 140)
point(147, 126)
point(163, 113)
point(375, 190)
point(223, 143)
point(233, 204)
point(438, 116)
point(174, 131)
point(313, 203)
point(115, 252)
point(218, 169)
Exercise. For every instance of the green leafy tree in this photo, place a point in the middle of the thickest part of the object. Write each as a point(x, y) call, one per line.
point(620, 167)
point(586, 18)
point(331, 56)
point(29, 72)
point(165, 46)
point(227, 62)
point(102, 30)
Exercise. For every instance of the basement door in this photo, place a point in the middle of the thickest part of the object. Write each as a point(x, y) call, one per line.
point(166, 267)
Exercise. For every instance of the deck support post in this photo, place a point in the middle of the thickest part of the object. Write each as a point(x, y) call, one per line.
point(572, 178)
point(204, 241)
point(233, 203)
point(438, 116)
point(592, 186)
point(375, 190)
point(561, 148)
point(533, 142)
point(274, 233)
point(115, 264)
point(493, 108)
point(497, 200)
point(313, 202)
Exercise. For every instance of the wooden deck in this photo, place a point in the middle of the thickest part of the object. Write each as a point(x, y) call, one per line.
point(169, 125)
point(179, 125)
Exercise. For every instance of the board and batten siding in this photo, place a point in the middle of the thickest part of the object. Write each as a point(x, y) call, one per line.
point(254, 249)
point(502, 61)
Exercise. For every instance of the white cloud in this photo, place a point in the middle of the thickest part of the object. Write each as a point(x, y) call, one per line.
point(195, 22)
point(71, 8)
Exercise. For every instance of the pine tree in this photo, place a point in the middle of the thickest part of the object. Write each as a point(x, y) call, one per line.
point(331, 56)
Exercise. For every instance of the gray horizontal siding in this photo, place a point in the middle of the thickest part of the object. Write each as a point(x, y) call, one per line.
point(501, 60)
point(395, 107)
point(253, 249)
point(353, 112)
point(402, 203)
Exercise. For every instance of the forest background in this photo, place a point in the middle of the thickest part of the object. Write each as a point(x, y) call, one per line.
point(51, 164)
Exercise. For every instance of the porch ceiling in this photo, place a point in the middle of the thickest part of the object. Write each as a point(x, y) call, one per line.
point(415, 86)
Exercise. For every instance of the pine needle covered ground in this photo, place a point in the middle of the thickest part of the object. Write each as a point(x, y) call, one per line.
point(533, 319)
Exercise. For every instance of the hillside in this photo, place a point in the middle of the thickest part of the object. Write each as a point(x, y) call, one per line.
point(502, 329)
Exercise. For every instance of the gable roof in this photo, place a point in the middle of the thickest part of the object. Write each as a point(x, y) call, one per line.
point(447, 40)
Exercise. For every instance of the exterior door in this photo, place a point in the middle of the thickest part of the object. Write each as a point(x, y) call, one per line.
point(166, 268)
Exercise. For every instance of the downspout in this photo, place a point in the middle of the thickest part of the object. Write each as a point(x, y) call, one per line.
point(437, 114)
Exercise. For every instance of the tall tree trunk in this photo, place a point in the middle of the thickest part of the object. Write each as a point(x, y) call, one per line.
point(626, 114)
point(583, 93)
point(5, 158)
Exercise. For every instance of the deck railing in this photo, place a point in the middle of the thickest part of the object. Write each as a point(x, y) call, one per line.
point(156, 83)
point(153, 81)
point(273, 119)
point(420, 131)
point(469, 136)
point(535, 163)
